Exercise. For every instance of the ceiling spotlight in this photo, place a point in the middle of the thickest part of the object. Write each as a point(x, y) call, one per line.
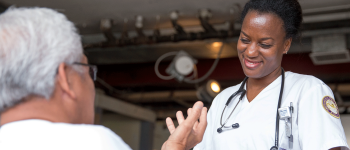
point(205, 13)
point(139, 21)
point(216, 44)
point(215, 87)
point(105, 24)
point(208, 91)
point(174, 15)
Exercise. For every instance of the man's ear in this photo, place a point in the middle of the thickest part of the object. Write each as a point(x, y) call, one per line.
point(64, 81)
point(287, 44)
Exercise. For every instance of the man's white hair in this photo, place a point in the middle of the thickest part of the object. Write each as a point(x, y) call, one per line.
point(33, 42)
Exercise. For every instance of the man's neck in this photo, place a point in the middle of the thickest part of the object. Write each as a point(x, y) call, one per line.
point(33, 108)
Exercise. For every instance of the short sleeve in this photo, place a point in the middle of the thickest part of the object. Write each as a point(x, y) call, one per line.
point(318, 120)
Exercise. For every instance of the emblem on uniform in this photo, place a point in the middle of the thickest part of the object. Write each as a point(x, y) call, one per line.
point(330, 106)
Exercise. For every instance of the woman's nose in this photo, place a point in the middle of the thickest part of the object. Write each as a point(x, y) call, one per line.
point(252, 50)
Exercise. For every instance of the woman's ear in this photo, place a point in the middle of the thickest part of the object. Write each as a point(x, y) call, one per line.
point(287, 44)
point(64, 80)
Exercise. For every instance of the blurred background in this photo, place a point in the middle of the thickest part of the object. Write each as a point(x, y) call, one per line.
point(156, 57)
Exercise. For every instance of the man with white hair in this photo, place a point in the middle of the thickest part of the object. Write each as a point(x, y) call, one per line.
point(47, 90)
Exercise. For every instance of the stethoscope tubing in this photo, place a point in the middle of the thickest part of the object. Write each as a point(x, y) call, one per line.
point(243, 92)
point(223, 125)
point(279, 106)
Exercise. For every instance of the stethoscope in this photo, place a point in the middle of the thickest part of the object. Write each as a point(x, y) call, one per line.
point(243, 92)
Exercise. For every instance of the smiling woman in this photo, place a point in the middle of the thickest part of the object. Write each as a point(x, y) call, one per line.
point(268, 28)
point(261, 44)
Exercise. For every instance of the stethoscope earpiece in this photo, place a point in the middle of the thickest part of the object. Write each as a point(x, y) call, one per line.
point(235, 126)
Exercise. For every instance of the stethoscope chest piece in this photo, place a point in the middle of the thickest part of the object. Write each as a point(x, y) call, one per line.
point(219, 130)
point(274, 148)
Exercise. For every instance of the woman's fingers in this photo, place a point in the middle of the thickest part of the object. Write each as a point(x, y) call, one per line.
point(180, 117)
point(170, 125)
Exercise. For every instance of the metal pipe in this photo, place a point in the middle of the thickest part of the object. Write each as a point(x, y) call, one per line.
point(106, 28)
point(179, 29)
point(204, 16)
point(174, 15)
point(206, 25)
point(327, 17)
point(170, 38)
point(324, 9)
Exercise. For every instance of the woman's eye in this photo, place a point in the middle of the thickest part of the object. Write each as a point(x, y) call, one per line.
point(265, 46)
point(245, 41)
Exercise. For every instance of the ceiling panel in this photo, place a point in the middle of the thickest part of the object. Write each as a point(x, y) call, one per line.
point(87, 13)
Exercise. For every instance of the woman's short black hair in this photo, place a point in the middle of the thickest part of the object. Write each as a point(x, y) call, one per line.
point(288, 10)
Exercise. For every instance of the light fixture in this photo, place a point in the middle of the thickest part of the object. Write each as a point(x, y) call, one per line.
point(205, 13)
point(329, 49)
point(181, 66)
point(208, 91)
point(105, 24)
point(174, 15)
point(215, 87)
point(139, 21)
point(216, 44)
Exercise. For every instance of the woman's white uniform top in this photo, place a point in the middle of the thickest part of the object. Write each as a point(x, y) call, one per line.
point(315, 125)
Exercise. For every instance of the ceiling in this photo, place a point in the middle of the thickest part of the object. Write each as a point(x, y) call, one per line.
point(86, 14)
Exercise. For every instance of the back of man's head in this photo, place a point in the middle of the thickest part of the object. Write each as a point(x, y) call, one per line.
point(33, 42)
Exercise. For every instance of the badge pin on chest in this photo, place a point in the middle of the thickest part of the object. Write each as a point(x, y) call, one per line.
point(286, 113)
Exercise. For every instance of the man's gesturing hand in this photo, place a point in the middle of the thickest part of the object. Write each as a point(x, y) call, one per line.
point(189, 132)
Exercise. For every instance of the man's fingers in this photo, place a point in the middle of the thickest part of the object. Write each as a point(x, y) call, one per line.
point(195, 113)
point(202, 121)
point(203, 117)
point(170, 125)
point(180, 117)
point(195, 125)
point(189, 113)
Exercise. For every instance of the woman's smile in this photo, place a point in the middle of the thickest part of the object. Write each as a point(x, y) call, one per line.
point(250, 64)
